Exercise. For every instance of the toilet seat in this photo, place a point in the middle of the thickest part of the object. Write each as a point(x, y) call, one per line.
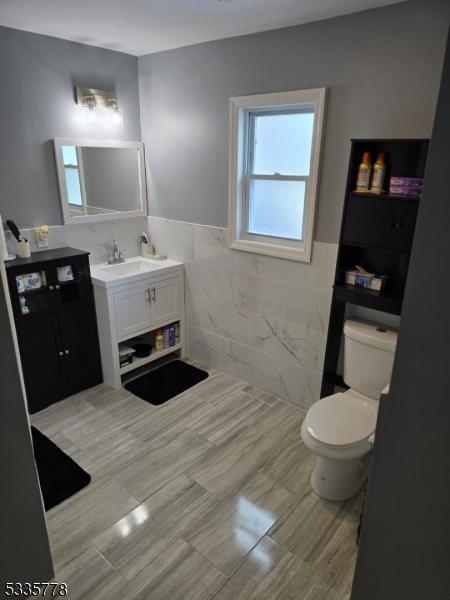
point(342, 420)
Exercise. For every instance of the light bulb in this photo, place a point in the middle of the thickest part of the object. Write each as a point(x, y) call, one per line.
point(91, 103)
point(116, 118)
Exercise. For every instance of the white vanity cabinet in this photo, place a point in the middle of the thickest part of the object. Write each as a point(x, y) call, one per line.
point(152, 304)
point(132, 304)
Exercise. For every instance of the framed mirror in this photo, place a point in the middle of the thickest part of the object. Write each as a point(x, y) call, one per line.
point(100, 180)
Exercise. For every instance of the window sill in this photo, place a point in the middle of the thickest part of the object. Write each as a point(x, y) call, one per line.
point(300, 253)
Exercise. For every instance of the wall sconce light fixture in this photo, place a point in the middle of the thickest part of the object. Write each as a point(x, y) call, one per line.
point(116, 116)
point(91, 104)
point(92, 99)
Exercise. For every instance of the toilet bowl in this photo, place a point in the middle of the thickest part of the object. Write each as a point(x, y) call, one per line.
point(339, 429)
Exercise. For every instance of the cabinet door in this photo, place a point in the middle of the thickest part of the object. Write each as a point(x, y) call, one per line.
point(165, 302)
point(405, 223)
point(80, 348)
point(42, 361)
point(381, 222)
point(32, 292)
point(72, 282)
point(132, 309)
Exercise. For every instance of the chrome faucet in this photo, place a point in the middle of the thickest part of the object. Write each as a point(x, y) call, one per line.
point(115, 256)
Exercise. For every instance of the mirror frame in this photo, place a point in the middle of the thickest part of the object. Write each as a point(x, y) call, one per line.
point(90, 143)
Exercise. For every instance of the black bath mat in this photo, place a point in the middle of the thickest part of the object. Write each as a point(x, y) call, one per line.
point(60, 476)
point(167, 381)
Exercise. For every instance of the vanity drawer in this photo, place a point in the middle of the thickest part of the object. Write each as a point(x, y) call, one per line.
point(381, 222)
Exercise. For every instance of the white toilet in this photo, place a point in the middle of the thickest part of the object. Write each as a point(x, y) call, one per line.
point(340, 428)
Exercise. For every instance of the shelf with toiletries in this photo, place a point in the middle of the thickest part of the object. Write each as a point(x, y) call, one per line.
point(384, 186)
point(391, 164)
point(33, 294)
point(155, 355)
point(148, 347)
point(388, 264)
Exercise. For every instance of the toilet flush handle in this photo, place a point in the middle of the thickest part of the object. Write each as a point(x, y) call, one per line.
point(371, 440)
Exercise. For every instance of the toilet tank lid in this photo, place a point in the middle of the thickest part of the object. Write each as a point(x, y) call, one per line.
point(371, 334)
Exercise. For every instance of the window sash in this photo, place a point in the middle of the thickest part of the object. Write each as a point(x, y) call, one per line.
point(250, 132)
point(249, 175)
point(248, 178)
point(77, 170)
point(79, 167)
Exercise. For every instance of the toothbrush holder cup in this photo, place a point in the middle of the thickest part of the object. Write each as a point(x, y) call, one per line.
point(23, 249)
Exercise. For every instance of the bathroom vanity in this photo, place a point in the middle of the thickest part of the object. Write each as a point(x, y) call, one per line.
point(53, 305)
point(133, 300)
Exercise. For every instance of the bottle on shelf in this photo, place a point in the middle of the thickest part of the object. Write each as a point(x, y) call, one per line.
point(177, 333)
point(23, 305)
point(166, 336)
point(364, 171)
point(172, 335)
point(159, 340)
point(379, 172)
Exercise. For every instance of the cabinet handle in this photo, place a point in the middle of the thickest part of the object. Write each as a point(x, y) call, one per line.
point(390, 224)
point(147, 295)
point(61, 353)
point(154, 294)
point(50, 287)
point(57, 287)
point(67, 351)
point(398, 225)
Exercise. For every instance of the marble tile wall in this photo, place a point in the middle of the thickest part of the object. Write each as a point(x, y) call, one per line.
point(95, 238)
point(261, 319)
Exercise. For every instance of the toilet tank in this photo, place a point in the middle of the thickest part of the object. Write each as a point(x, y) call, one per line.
point(368, 357)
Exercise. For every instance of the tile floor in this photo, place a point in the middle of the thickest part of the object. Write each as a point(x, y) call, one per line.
point(204, 497)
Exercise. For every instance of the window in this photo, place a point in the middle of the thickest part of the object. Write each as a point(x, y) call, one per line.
point(72, 169)
point(274, 164)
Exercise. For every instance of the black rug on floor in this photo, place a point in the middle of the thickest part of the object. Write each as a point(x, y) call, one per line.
point(167, 381)
point(60, 476)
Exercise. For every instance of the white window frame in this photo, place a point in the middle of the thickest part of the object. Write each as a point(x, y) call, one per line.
point(242, 108)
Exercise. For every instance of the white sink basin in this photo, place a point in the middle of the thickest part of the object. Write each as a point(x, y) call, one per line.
point(132, 270)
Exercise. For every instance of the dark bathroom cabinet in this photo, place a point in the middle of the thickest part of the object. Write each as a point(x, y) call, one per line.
point(54, 313)
point(377, 233)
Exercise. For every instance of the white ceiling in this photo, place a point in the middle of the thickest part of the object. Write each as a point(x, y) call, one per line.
point(144, 26)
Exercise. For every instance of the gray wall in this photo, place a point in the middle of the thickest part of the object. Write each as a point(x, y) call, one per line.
point(37, 75)
point(405, 542)
point(24, 549)
point(382, 68)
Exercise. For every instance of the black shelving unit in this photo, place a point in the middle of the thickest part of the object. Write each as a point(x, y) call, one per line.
point(377, 232)
point(56, 325)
